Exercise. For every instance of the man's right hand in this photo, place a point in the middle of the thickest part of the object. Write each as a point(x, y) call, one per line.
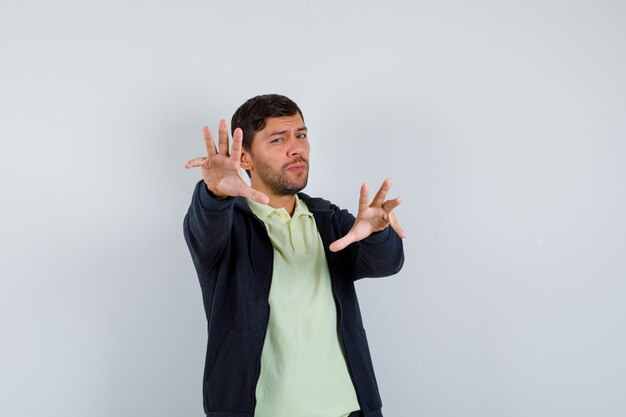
point(221, 170)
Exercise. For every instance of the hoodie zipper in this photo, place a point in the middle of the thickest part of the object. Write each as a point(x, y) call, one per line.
point(329, 232)
point(267, 319)
point(343, 340)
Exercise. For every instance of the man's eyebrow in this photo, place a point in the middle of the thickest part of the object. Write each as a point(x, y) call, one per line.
point(281, 132)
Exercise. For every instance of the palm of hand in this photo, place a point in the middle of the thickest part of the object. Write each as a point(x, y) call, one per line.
point(373, 219)
point(223, 174)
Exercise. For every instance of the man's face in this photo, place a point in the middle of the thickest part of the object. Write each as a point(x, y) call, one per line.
point(278, 160)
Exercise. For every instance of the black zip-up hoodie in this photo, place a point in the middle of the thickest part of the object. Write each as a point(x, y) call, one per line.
point(233, 256)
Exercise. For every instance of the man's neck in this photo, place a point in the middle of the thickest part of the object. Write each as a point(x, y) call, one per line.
point(288, 202)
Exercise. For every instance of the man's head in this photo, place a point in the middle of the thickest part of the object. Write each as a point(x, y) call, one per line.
point(252, 115)
point(275, 143)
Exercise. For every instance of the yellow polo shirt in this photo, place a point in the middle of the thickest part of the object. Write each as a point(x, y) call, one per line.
point(303, 366)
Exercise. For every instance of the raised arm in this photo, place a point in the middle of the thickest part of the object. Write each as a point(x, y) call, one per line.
point(208, 222)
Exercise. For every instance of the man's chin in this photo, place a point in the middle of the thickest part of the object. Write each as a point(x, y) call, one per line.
point(292, 188)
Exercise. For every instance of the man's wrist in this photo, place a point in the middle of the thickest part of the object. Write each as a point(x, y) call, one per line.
point(215, 195)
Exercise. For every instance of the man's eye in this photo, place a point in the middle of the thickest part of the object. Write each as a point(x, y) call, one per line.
point(277, 140)
point(301, 136)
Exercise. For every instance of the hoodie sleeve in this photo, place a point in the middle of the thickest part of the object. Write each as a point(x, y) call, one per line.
point(378, 255)
point(207, 227)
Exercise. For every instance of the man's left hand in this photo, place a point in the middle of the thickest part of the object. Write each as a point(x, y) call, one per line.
point(372, 217)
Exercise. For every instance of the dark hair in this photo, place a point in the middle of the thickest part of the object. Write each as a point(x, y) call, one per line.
point(252, 115)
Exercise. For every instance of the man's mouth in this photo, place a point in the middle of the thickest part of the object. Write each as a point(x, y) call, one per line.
point(297, 166)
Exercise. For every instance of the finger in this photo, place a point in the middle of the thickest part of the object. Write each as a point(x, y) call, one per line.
point(235, 151)
point(340, 244)
point(391, 204)
point(364, 198)
point(256, 195)
point(209, 143)
point(196, 162)
point(394, 224)
point(223, 138)
point(382, 193)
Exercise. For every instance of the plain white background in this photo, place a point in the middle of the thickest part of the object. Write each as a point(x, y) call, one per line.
point(501, 123)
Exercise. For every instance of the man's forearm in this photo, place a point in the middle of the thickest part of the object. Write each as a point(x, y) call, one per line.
point(207, 225)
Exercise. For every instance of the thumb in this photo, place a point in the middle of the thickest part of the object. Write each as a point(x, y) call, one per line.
point(257, 196)
point(340, 244)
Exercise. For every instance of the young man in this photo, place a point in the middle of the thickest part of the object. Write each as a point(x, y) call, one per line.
point(277, 271)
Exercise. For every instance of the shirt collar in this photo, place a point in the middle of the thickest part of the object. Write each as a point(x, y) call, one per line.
point(263, 210)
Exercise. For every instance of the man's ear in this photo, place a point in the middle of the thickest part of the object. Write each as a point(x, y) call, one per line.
point(246, 160)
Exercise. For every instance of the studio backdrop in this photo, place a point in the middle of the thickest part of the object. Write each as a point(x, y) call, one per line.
point(501, 124)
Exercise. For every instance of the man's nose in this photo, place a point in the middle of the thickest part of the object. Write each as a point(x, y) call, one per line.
point(296, 147)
